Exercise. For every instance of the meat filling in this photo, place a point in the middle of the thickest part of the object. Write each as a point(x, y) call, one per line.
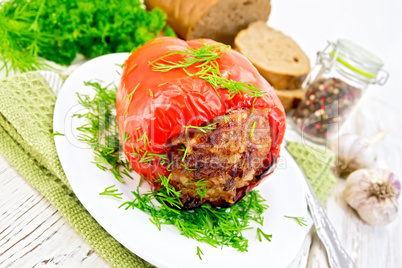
point(220, 161)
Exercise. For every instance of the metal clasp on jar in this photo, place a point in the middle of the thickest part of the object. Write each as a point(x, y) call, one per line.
point(324, 63)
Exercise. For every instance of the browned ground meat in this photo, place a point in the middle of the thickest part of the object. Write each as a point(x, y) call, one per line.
point(221, 163)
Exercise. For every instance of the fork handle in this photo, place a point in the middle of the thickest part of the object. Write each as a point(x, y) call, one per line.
point(337, 256)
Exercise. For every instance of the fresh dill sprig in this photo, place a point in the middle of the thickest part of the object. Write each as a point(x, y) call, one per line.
point(112, 192)
point(201, 128)
point(199, 252)
point(101, 132)
point(300, 220)
point(202, 191)
point(260, 232)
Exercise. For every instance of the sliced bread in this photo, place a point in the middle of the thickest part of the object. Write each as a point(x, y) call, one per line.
point(220, 20)
point(290, 98)
point(276, 56)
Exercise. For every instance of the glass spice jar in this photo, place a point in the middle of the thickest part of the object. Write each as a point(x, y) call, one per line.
point(333, 88)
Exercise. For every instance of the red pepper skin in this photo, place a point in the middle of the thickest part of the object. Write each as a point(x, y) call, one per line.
point(179, 100)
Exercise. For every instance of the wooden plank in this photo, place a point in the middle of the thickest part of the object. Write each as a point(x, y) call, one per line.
point(33, 233)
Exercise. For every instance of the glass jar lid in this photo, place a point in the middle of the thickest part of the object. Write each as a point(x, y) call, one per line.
point(360, 61)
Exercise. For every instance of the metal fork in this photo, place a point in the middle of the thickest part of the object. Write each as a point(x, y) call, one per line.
point(337, 256)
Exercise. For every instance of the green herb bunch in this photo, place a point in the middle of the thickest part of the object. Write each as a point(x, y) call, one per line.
point(58, 30)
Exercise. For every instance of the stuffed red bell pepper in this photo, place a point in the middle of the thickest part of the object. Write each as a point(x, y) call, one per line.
point(199, 115)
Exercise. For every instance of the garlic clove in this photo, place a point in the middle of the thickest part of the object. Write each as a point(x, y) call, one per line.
point(374, 195)
point(353, 152)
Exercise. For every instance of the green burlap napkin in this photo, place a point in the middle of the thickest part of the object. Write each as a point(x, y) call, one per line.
point(26, 125)
point(315, 163)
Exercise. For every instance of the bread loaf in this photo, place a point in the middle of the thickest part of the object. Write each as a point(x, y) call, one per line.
point(290, 98)
point(219, 20)
point(276, 56)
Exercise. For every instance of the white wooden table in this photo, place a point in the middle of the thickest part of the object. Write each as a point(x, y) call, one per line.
point(34, 234)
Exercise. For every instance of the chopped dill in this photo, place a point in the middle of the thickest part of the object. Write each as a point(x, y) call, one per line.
point(167, 168)
point(186, 167)
point(260, 232)
point(202, 55)
point(56, 134)
point(252, 129)
point(199, 252)
point(132, 67)
point(224, 117)
point(129, 97)
point(125, 172)
point(140, 182)
point(163, 156)
point(202, 191)
point(162, 84)
point(145, 158)
point(215, 226)
point(126, 136)
point(202, 128)
point(101, 132)
point(182, 149)
point(201, 182)
point(205, 58)
point(252, 109)
point(144, 137)
point(151, 93)
point(300, 220)
point(184, 155)
point(111, 192)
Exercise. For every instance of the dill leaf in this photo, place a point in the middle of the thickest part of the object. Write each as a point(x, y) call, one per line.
point(111, 192)
point(300, 220)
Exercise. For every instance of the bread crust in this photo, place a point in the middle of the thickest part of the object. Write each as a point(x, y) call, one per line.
point(184, 15)
point(290, 98)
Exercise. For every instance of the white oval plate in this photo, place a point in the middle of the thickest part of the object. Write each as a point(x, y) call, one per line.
point(283, 191)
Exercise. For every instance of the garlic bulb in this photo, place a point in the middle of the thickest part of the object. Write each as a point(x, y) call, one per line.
point(373, 194)
point(354, 152)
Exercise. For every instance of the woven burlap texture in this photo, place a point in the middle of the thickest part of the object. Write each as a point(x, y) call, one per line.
point(315, 163)
point(26, 125)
